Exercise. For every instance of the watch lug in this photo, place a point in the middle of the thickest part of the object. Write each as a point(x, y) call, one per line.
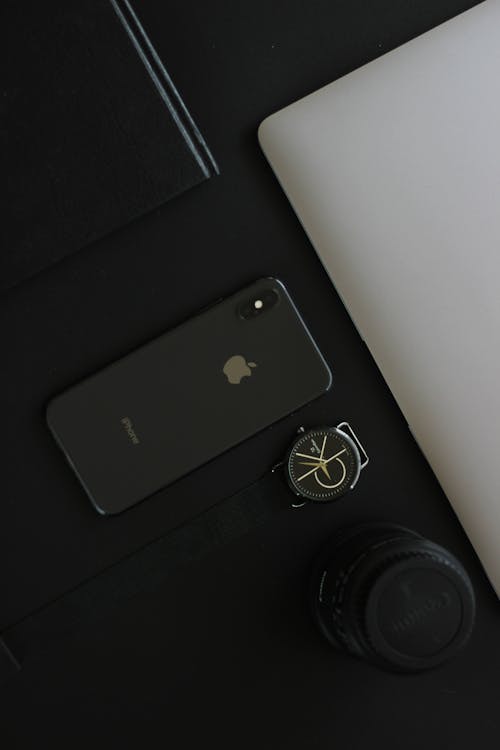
point(347, 429)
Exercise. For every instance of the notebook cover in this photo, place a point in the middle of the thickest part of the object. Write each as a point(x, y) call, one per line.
point(94, 133)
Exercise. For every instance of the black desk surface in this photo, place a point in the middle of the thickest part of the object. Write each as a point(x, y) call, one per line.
point(225, 653)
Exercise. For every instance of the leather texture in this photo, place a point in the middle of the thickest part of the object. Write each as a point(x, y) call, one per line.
point(94, 131)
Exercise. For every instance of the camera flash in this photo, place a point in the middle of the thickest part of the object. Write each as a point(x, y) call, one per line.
point(258, 304)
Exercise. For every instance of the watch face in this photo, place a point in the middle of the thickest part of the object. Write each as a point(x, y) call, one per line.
point(323, 464)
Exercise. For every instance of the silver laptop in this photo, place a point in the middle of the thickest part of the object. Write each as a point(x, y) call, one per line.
point(394, 172)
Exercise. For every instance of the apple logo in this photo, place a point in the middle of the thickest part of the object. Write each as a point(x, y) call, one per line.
point(237, 368)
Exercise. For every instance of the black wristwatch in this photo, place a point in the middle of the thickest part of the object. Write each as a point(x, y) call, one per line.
point(321, 465)
point(324, 463)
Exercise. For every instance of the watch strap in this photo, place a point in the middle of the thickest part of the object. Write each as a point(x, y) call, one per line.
point(142, 570)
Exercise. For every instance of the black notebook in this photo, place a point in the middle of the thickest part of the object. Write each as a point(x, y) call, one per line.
point(94, 132)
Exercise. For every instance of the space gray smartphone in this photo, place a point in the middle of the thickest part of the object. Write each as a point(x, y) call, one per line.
point(188, 396)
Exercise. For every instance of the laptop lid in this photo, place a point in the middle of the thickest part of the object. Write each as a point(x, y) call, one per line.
point(394, 172)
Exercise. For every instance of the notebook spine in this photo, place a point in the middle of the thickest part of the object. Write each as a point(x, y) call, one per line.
point(165, 87)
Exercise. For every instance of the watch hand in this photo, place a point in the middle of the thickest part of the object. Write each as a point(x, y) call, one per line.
point(344, 450)
point(322, 449)
point(311, 471)
point(338, 482)
point(316, 466)
point(306, 455)
point(325, 469)
point(319, 464)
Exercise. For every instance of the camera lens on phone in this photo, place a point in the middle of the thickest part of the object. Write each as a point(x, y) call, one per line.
point(259, 304)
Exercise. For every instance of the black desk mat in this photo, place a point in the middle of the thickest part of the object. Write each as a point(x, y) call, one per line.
point(225, 653)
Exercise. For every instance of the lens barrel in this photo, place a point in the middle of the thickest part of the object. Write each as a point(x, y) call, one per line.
point(386, 594)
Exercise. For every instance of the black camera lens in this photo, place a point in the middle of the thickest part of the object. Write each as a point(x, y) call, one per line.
point(384, 593)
